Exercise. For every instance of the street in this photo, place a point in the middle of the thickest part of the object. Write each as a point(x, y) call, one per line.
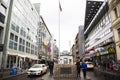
point(90, 76)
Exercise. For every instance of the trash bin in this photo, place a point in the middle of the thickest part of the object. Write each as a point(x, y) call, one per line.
point(13, 71)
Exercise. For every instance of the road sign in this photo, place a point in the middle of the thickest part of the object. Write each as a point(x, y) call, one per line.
point(1, 47)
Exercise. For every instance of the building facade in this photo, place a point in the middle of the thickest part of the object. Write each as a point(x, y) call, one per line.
point(44, 40)
point(81, 41)
point(99, 38)
point(66, 58)
point(4, 8)
point(114, 6)
point(21, 34)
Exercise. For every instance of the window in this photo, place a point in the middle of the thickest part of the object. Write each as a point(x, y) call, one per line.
point(12, 36)
point(13, 41)
point(2, 18)
point(27, 47)
point(15, 27)
point(116, 12)
point(5, 1)
point(16, 38)
point(21, 45)
point(32, 49)
point(119, 33)
point(3, 9)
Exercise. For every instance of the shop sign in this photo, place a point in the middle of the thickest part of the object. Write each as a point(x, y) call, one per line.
point(97, 54)
point(1, 47)
point(111, 50)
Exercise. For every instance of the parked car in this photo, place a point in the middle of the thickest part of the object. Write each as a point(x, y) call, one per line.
point(37, 69)
point(90, 65)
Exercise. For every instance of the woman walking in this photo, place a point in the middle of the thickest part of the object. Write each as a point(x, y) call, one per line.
point(84, 69)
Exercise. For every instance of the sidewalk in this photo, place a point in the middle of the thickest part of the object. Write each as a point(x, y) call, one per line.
point(106, 74)
point(6, 74)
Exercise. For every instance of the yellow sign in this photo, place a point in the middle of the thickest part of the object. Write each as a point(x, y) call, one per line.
point(97, 54)
point(111, 50)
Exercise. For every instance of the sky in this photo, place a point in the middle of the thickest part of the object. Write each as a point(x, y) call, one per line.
point(71, 17)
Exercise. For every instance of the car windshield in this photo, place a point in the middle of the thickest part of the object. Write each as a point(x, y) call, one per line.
point(36, 66)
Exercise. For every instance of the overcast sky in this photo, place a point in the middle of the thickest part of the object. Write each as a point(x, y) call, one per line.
point(71, 17)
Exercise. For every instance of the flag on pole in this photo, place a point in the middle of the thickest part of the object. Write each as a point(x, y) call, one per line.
point(60, 6)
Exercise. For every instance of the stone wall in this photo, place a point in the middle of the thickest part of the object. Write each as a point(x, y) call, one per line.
point(65, 71)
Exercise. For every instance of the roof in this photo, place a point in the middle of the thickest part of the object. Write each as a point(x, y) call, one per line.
point(101, 12)
point(92, 8)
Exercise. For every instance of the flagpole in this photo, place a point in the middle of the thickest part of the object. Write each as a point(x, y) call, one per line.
point(59, 28)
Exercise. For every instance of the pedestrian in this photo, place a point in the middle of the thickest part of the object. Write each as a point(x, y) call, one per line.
point(84, 68)
point(78, 66)
point(51, 67)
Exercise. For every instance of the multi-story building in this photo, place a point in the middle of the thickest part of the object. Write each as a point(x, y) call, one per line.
point(21, 34)
point(66, 58)
point(4, 8)
point(114, 6)
point(81, 41)
point(99, 38)
point(73, 53)
point(77, 46)
point(45, 40)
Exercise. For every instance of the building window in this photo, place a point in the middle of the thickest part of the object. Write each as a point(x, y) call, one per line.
point(15, 27)
point(3, 9)
point(116, 12)
point(27, 47)
point(32, 49)
point(5, 1)
point(119, 33)
point(21, 45)
point(13, 41)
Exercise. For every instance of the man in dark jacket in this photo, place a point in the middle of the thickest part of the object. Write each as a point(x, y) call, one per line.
point(51, 66)
point(78, 66)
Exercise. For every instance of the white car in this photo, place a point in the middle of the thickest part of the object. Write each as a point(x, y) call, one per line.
point(90, 65)
point(37, 69)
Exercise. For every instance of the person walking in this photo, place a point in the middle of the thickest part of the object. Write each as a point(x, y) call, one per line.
point(51, 66)
point(84, 69)
point(78, 66)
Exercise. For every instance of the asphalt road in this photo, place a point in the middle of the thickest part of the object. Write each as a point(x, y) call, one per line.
point(90, 76)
